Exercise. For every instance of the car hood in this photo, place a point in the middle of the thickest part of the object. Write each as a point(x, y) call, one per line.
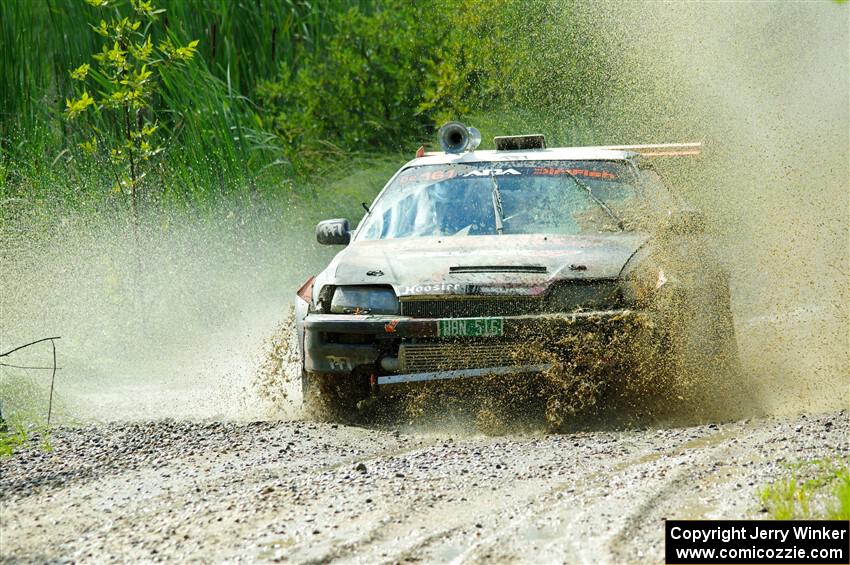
point(506, 264)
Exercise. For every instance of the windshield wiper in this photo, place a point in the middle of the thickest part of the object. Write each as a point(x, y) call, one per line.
point(497, 205)
point(597, 200)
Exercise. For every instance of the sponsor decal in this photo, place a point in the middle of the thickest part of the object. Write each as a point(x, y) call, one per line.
point(425, 176)
point(588, 173)
point(429, 175)
point(478, 290)
point(492, 172)
point(435, 288)
point(474, 289)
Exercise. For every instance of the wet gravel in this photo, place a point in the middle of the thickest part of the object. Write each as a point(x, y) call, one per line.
point(310, 492)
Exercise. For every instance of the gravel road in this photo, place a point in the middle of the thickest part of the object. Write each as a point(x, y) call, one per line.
point(306, 492)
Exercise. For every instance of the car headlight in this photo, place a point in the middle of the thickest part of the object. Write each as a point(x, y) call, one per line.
point(643, 281)
point(364, 300)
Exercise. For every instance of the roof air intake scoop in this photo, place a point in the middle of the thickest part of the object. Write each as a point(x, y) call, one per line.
point(457, 138)
point(520, 142)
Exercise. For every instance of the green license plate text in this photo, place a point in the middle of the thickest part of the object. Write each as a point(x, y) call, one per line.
point(470, 327)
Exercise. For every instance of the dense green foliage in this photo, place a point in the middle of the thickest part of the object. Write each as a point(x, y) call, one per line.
point(207, 124)
point(395, 73)
point(278, 89)
point(379, 78)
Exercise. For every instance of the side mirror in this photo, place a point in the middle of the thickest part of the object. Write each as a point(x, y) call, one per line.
point(685, 221)
point(333, 232)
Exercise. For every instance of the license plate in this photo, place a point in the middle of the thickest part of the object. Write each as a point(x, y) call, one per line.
point(470, 327)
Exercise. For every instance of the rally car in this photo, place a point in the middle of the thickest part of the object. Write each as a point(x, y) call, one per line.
point(466, 257)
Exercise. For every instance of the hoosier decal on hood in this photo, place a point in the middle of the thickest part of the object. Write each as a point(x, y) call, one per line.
point(473, 289)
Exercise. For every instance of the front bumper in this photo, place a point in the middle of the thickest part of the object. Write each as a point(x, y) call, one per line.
point(341, 344)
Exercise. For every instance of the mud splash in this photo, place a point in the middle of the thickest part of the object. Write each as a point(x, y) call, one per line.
point(277, 380)
point(170, 324)
point(770, 100)
point(175, 326)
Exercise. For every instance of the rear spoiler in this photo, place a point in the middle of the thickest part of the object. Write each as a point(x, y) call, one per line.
point(650, 150)
point(658, 149)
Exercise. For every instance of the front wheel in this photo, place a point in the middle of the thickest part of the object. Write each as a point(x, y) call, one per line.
point(332, 398)
point(703, 356)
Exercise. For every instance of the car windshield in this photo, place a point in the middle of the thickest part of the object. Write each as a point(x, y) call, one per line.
point(525, 197)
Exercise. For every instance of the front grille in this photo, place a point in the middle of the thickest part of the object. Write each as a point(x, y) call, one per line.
point(564, 297)
point(429, 357)
point(583, 295)
point(470, 307)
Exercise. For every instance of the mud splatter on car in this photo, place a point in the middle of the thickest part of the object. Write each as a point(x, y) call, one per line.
point(576, 268)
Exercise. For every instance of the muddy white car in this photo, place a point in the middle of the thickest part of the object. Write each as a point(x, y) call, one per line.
point(467, 257)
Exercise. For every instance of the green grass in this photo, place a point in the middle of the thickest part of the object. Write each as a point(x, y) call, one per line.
point(220, 142)
point(14, 433)
point(11, 440)
point(241, 42)
point(216, 143)
point(818, 489)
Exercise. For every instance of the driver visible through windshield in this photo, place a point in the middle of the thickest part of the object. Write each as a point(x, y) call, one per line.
point(539, 197)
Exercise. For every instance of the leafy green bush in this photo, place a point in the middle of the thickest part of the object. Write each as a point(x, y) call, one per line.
point(127, 77)
point(381, 78)
point(282, 87)
point(389, 76)
point(213, 142)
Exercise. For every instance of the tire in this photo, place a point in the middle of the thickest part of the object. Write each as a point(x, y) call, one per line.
point(311, 396)
point(332, 398)
point(733, 397)
point(702, 358)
